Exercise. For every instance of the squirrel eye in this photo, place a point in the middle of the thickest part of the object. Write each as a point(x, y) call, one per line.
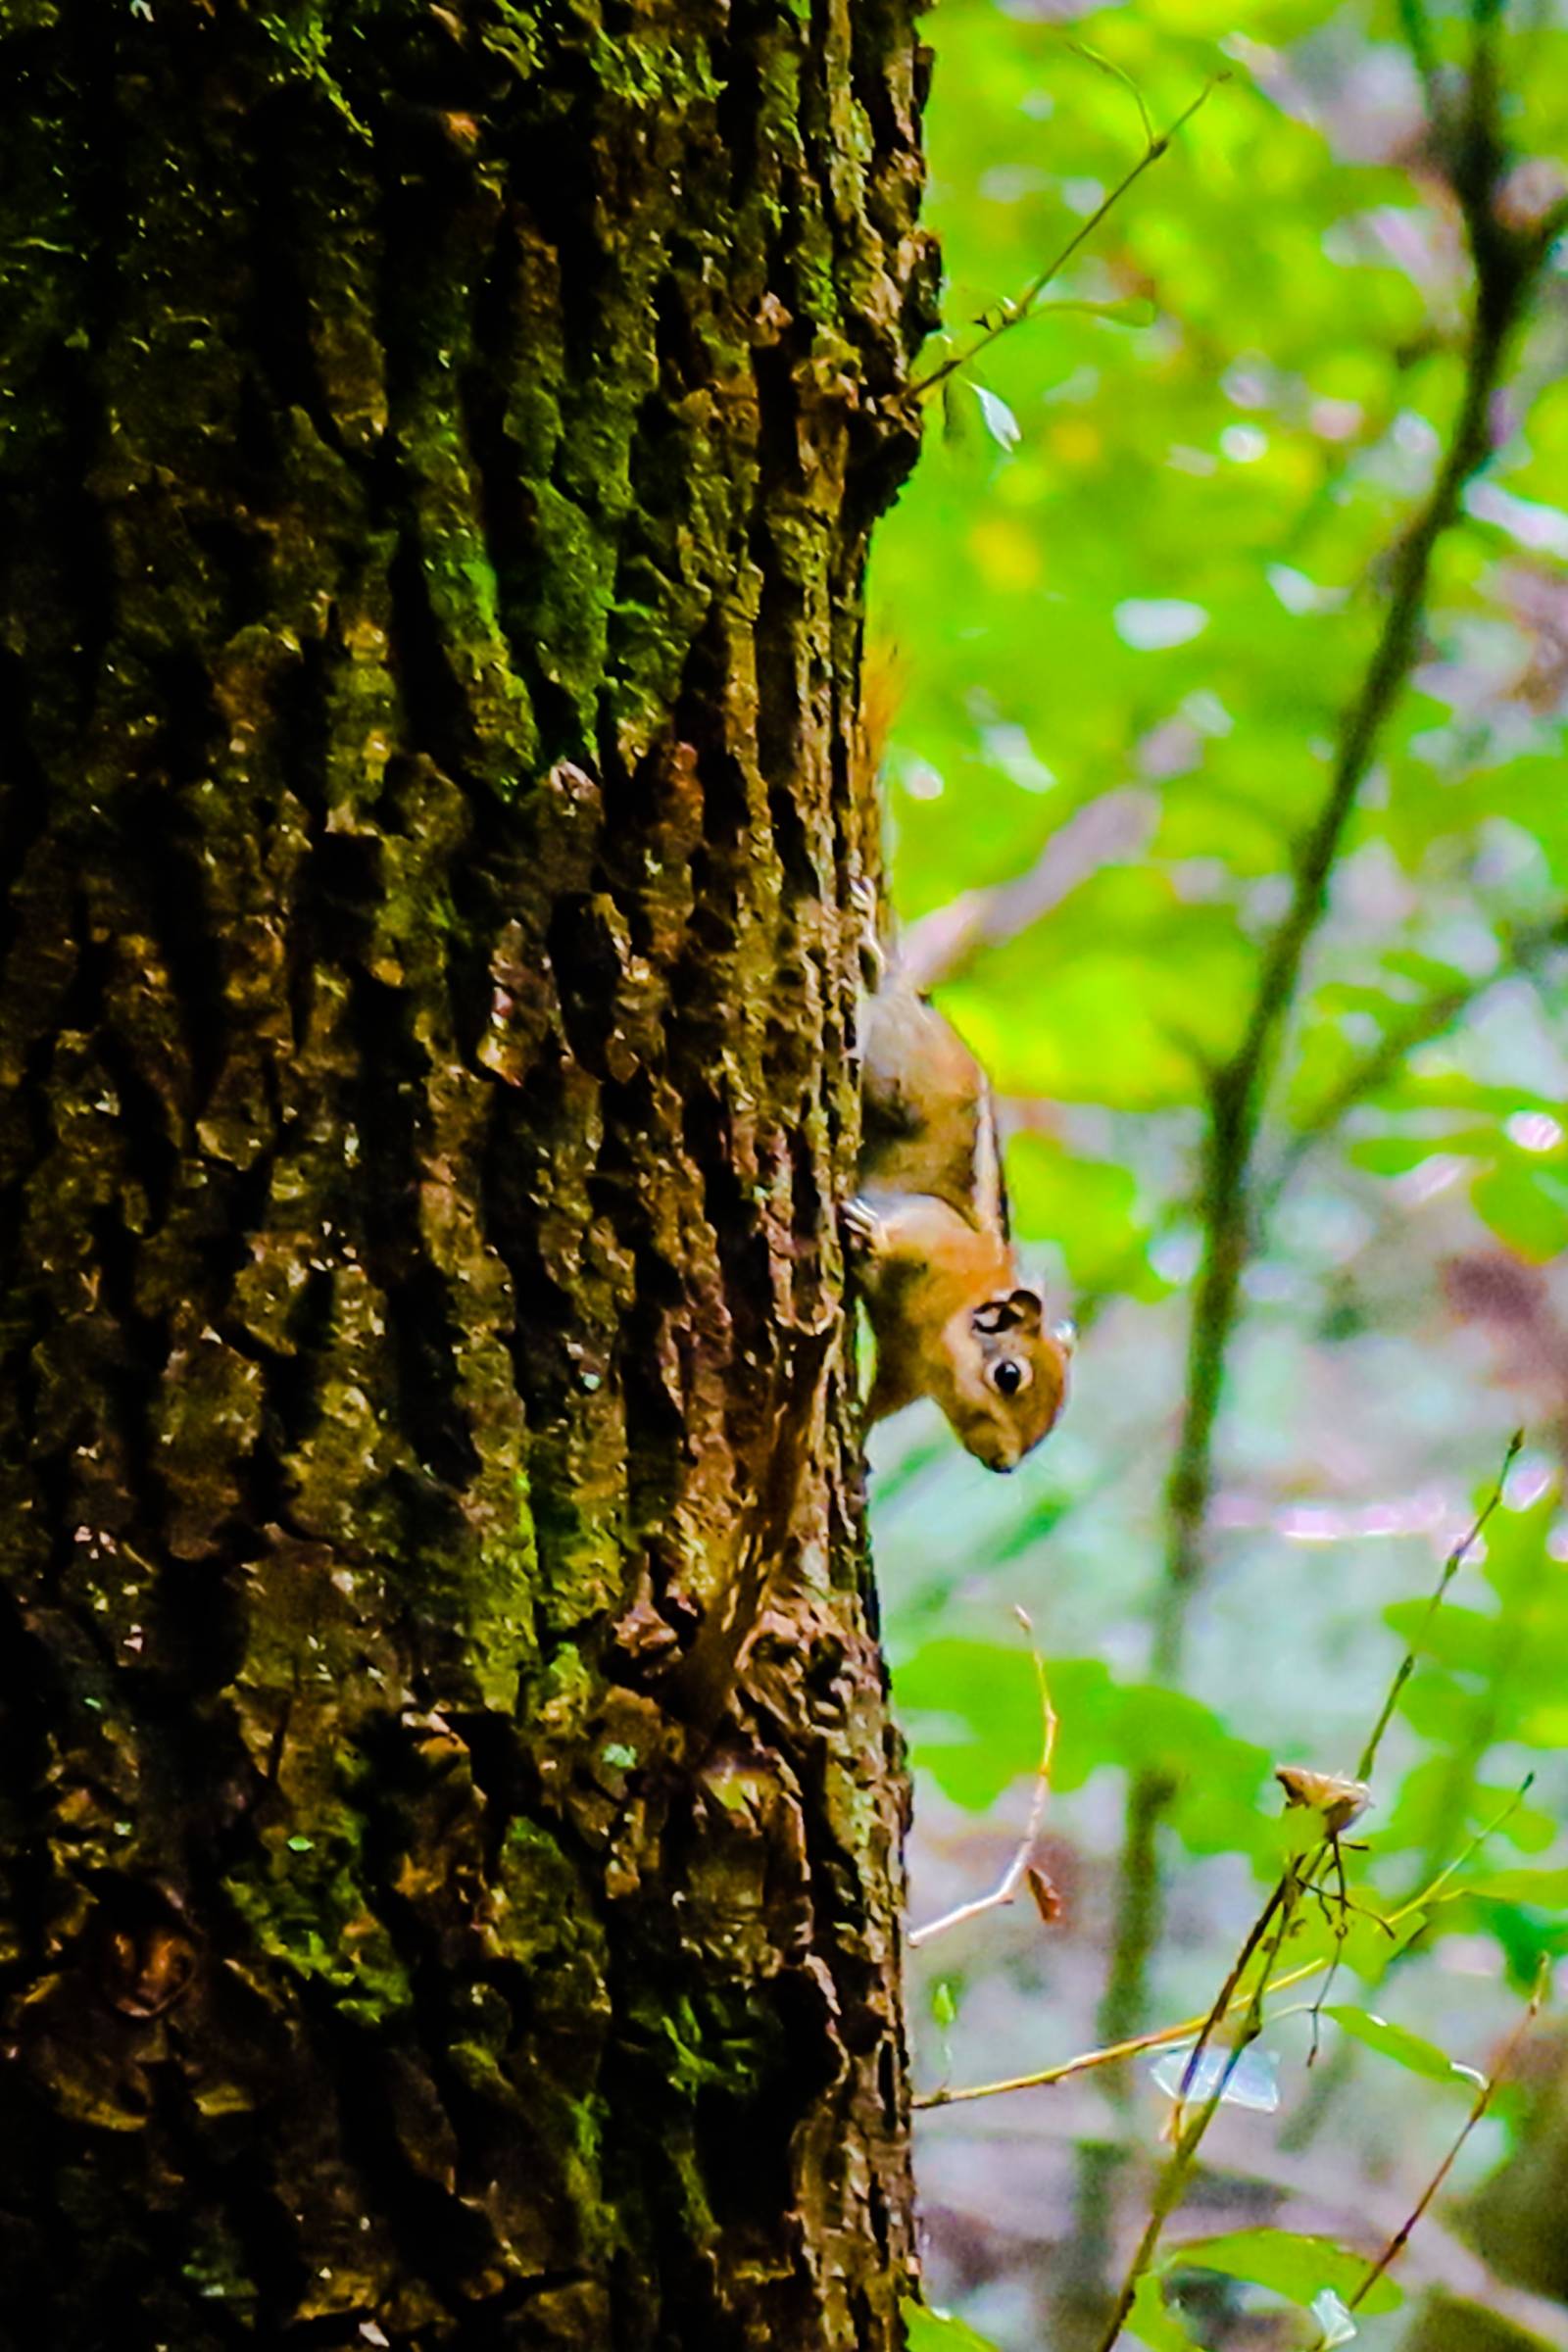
point(1008, 1375)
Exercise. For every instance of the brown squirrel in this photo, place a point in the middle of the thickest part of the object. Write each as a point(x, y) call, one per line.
point(951, 1318)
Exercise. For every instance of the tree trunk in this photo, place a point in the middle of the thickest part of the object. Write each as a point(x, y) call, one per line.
point(449, 1818)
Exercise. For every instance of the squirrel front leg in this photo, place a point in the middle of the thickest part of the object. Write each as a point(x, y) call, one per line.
point(886, 1260)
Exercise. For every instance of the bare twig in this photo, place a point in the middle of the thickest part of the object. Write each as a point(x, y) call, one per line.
point(1481, 2101)
point(1269, 1931)
point(1162, 2037)
point(1013, 1877)
point(1008, 315)
point(1165, 2037)
point(1450, 1569)
point(1172, 2184)
point(1505, 261)
point(1440, 1012)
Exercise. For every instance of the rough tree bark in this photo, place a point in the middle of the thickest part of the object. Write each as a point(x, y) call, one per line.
point(449, 1818)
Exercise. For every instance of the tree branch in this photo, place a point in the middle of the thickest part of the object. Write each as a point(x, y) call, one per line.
point(1008, 315)
point(1274, 1922)
point(1505, 263)
point(1386, 1059)
point(1481, 2101)
point(1012, 1878)
point(1110, 830)
point(1164, 2037)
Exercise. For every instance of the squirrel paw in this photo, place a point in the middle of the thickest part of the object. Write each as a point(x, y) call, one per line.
point(863, 1229)
point(863, 898)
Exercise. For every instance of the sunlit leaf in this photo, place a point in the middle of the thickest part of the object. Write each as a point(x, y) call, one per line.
point(1524, 1209)
point(1407, 2049)
point(973, 1711)
point(1333, 2320)
point(1250, 2077)
point(1000, 421)
point(1461, 1637)
point(1092, 1207)
point(927, 2329)
point(1547, 1890)
point(1299, 2267)
point(1530, 1828)
point(1153, 2322)
point(1136, 311)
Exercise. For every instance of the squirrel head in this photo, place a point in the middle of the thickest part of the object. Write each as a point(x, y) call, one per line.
point(1005, 1377)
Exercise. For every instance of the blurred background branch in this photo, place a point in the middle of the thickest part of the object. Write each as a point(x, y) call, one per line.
point(1505, 263)
point(1226, 808)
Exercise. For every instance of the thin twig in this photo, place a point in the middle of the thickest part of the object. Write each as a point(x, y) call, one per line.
point(1110, 830)
point(1423, 1023)
point(1418, 40)
point(1172, 2184)
point(1012, 1878)
point(1341, 1930)
point(1450, 1569)
point(1162, 2037)
point(1010, 314)
point(1505, 264)
point(1279, 1908)
point(1482, 2100)
point(1115, 72)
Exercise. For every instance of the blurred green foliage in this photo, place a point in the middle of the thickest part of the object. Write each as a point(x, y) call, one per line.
point(1138, 573)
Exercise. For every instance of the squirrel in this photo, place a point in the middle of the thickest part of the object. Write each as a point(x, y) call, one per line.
point(929, 1224)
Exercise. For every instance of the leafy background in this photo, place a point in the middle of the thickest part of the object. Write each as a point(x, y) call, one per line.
point(1134, 583)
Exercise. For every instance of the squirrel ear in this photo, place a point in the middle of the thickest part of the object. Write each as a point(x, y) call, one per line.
point(994, 1315)
point(1020, 1310)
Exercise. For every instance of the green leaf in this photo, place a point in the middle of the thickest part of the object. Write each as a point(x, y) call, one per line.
point(1461, 1638)
point(1135, 310)
point(1299, 2267)
point(1393, 1154)
point(1547, 1890)
point(1407, 2049)
point(1525, 1210)
point(974, 1710)
point(1530, 1828)
point(927, 2329)
point(1153, 2322)
point(1089, 1207)
point(1366, 1945)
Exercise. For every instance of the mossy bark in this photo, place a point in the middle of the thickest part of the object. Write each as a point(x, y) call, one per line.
point(449, 1820)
